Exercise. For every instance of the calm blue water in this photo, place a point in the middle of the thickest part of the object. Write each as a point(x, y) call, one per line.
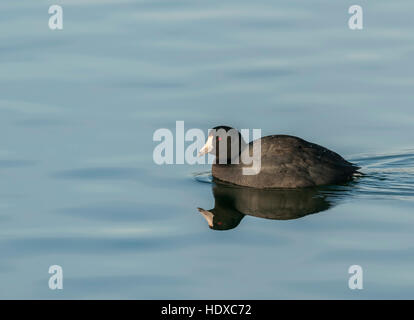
point(78, 109)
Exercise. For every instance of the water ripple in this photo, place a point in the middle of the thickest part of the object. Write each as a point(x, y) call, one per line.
point(385, 176)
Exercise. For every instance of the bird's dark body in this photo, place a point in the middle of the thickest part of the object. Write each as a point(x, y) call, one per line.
point(289, 162)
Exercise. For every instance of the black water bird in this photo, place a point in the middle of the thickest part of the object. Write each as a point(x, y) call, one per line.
point(276, 161)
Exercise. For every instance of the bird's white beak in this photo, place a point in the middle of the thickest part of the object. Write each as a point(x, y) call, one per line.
point(207, 147)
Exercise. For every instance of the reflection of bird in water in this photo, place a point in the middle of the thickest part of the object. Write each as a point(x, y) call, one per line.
point(232, 203)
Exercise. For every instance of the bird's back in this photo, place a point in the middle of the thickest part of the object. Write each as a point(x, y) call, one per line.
point(289, 162)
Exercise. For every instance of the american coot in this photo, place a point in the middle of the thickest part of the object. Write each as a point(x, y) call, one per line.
point(284, 161)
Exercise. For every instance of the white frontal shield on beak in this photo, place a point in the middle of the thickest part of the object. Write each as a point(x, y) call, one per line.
point(207, 147)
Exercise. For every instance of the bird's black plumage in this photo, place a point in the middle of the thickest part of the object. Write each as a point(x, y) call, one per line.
point(285, 162)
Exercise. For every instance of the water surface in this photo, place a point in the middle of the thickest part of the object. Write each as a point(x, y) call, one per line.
point(78, 108)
